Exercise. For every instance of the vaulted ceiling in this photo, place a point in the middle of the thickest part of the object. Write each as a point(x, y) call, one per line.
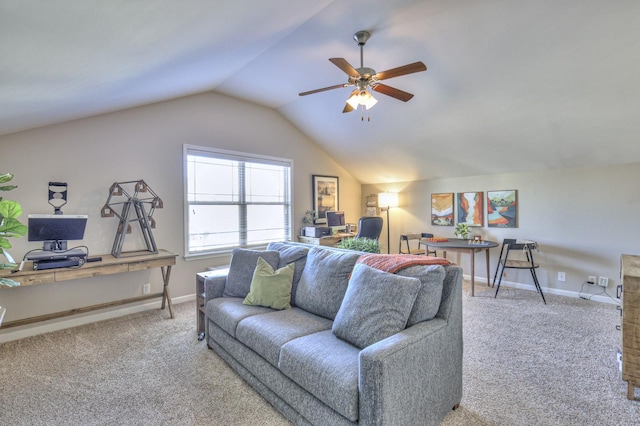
point(511, 85)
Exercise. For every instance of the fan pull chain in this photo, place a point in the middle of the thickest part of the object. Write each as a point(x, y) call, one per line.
point(362, 116)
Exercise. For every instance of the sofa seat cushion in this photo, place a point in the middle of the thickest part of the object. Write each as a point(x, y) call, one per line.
point(326, 367)
point(324, 281)
point(227, 312)
point(266, 333)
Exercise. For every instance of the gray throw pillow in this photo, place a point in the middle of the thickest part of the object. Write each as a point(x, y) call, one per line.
point(243, 264)
point(377, 305)
point(324, 281)
point(291, 254)
point(430, 294)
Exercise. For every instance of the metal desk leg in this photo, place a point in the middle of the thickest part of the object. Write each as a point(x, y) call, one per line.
point(166, 275)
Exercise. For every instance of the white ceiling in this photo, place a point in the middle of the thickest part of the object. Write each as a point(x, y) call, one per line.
point(512, 85)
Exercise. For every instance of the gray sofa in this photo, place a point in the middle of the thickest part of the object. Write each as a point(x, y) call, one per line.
point(357, 346)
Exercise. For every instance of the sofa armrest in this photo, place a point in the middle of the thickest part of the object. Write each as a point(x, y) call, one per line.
point(415, 376)
point(214, 284)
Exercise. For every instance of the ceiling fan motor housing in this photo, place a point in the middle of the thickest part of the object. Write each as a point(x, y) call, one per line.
point(366, 72)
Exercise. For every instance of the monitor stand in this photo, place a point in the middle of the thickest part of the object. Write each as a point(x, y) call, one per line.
point(54, 245)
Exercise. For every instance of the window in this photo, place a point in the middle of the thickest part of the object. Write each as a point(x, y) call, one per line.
point(233, 199)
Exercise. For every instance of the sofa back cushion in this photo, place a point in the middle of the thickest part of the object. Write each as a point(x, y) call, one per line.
point(430, 294)
point(243, 264)
point(324, 281)
point(291, 254)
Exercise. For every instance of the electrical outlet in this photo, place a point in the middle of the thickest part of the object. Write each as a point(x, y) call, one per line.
point(591, 279)
point(146, 288)
point(561, 276)
point(504, 275)
point(603, 281)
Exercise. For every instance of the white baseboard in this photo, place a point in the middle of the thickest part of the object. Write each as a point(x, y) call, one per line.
point(10, 334)
point(547, 290)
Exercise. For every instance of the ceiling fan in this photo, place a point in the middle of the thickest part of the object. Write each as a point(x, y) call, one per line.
point(366, 78)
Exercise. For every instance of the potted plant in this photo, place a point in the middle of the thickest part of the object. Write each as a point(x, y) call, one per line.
point(308, 220)
point(368, 245)
point(462, 230)
point(10, 226)
point(309, 217)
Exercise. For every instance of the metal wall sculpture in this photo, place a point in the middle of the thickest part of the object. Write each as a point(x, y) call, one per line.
point(132, 196)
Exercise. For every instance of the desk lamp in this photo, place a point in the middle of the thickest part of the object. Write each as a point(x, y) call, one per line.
point(386, 200)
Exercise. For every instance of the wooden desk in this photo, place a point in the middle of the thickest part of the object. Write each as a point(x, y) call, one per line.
point(107, 266)
point(460, 245)
point(330, 240)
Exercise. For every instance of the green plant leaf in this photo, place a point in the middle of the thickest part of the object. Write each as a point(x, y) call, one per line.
point(10, 209)
point(8, 265)
point(6, 177)
point(11, 227)
point(9, 283)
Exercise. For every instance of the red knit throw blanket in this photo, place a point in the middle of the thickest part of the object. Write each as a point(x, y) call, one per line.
point(392, 263)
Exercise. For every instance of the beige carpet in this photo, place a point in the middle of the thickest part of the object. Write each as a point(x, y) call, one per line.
point(524, 364)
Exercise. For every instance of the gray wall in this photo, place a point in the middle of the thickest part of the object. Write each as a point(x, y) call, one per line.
point(145, 143)
point(583, 219)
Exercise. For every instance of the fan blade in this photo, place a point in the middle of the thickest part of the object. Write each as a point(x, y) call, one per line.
point(324, 89)
point(347, 107)
point(392, 91)
point(345, 66)
point(403, 70)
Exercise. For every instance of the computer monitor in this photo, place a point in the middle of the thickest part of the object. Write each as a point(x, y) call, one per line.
point(54, 230)
point(335, 221)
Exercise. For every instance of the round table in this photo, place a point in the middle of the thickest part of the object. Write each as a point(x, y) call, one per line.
point(464, 246)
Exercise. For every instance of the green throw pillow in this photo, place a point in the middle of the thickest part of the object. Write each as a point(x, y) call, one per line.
point(271, 288)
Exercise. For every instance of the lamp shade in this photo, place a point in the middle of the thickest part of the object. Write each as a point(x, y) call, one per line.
point(362, 98)
point(388, 199)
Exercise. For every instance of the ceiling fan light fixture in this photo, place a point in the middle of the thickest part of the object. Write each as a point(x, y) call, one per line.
point(369, 101)
point(362, 98)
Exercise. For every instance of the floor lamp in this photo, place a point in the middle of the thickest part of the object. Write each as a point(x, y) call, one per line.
point(386, 200)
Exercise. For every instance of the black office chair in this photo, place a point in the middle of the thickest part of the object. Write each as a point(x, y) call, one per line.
point(511, 245)
point(421, 249)
point(369, 227)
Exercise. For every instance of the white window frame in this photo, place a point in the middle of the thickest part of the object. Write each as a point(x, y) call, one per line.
point(237, 156)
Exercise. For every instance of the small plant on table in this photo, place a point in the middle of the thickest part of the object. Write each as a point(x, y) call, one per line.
point(462, 230)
